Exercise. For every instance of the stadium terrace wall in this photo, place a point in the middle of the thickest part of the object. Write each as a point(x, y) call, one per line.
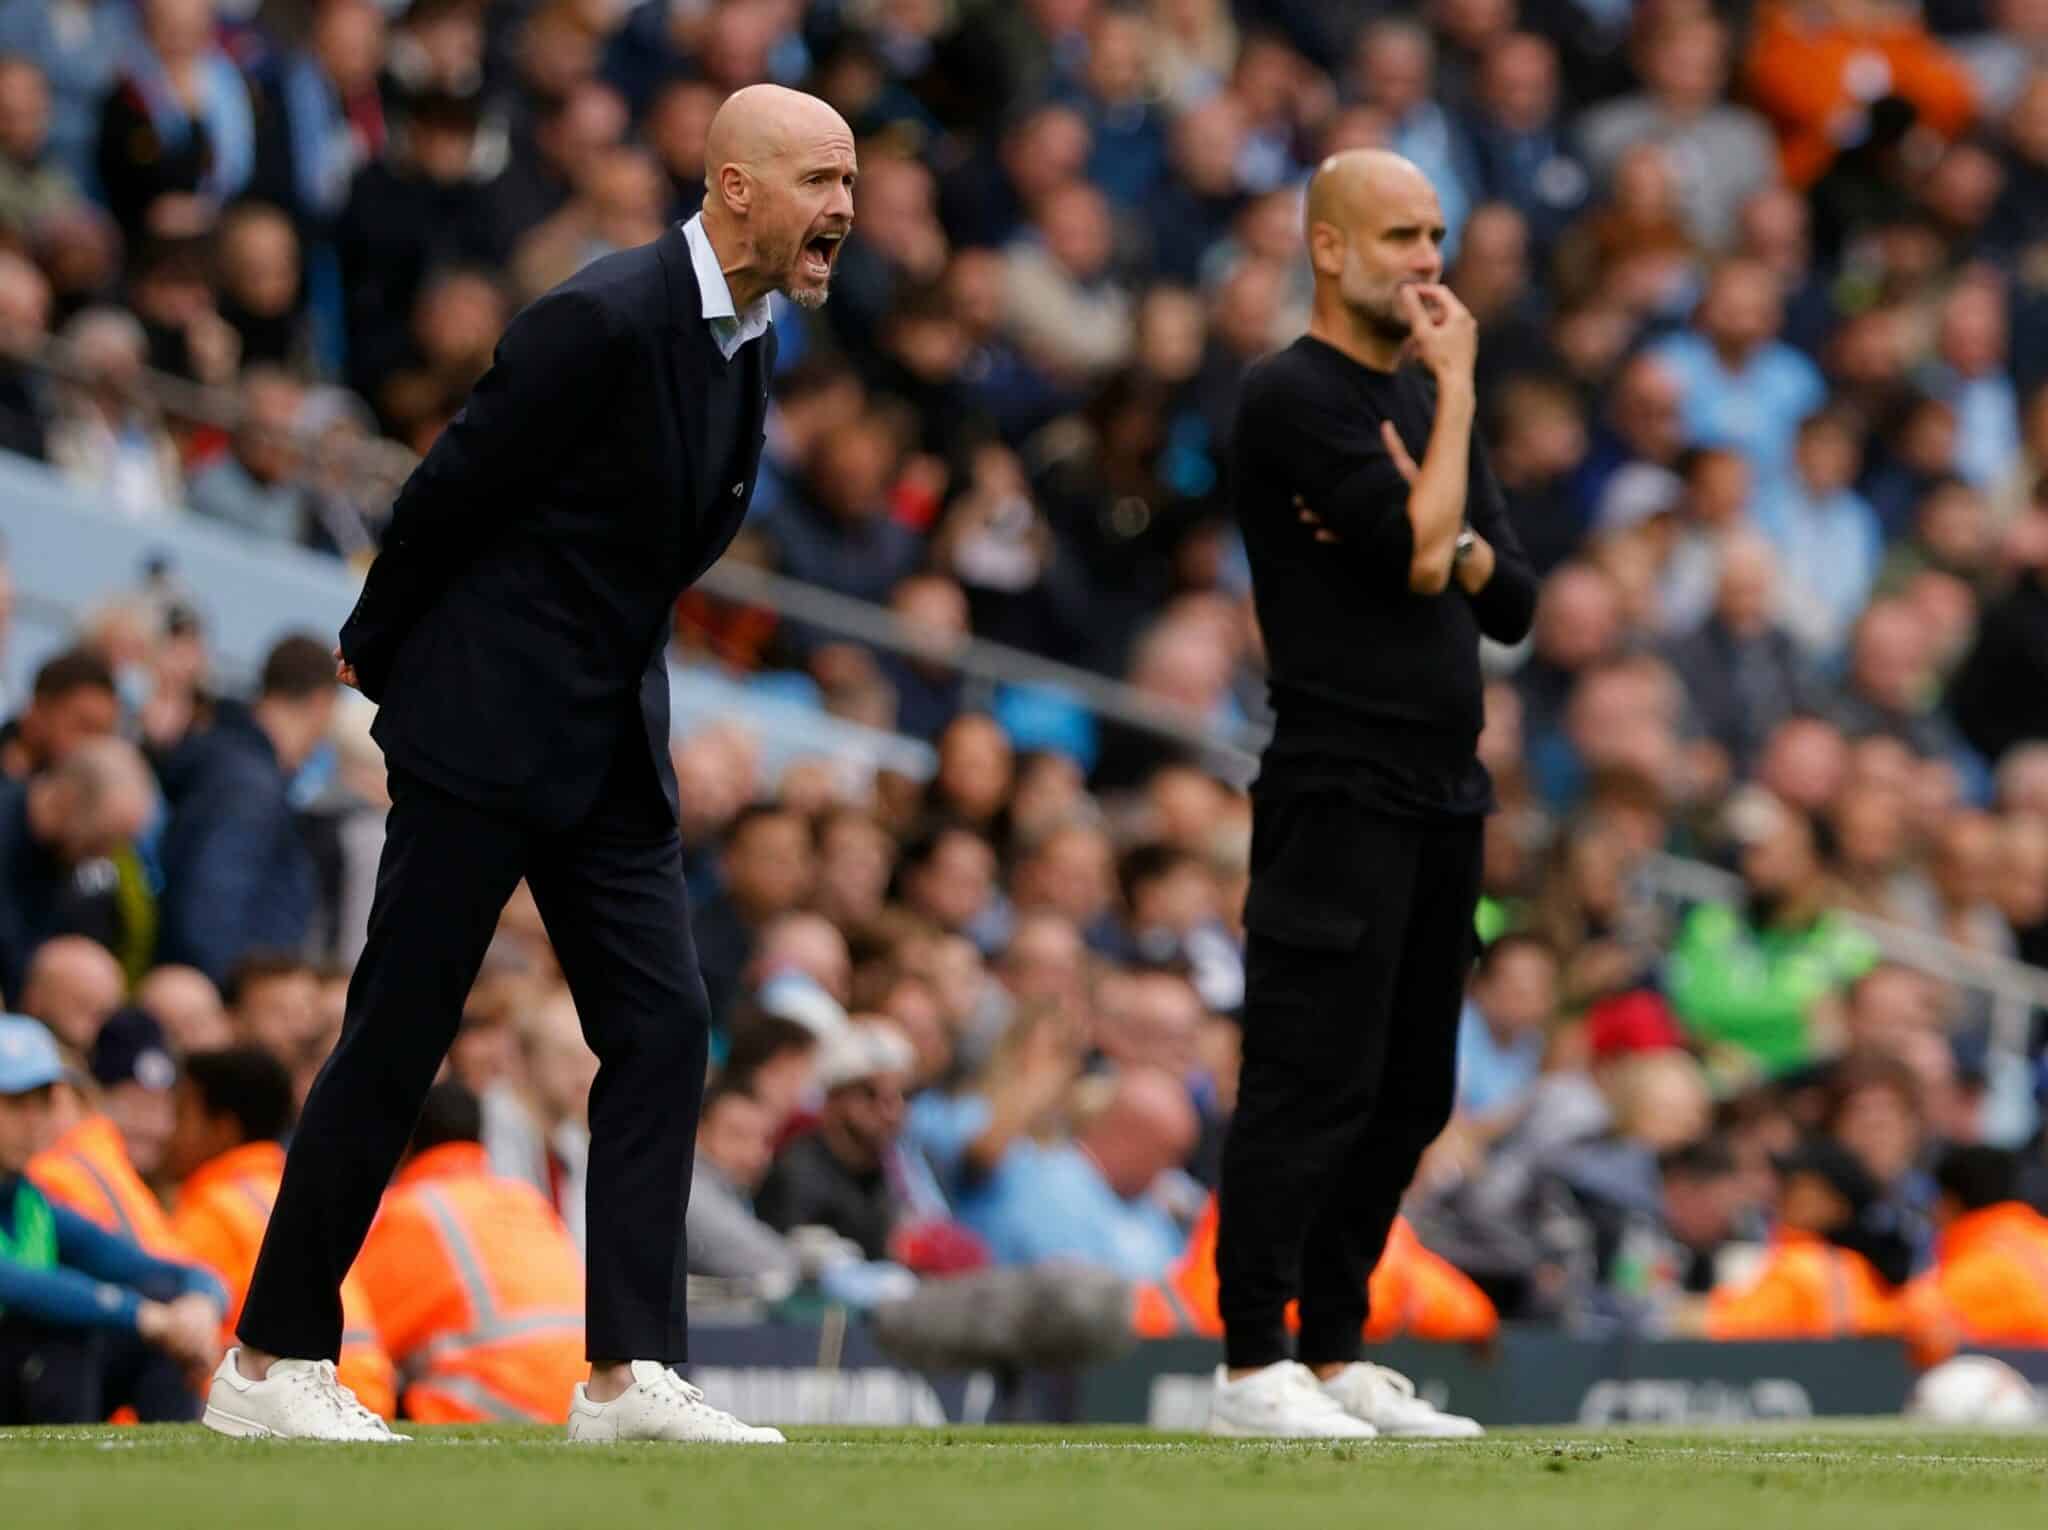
point(809, 1374)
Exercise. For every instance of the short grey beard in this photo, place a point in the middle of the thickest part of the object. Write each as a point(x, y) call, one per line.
point(808, 297)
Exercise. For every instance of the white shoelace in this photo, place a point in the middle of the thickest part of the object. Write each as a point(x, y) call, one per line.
point(1389, 1377)
point(323, 1382)
point(1302, 1381)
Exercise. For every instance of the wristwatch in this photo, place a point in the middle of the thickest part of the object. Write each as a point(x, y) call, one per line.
point(1462, 548)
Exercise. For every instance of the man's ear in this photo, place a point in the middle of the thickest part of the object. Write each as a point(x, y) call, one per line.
point(735, 189)
point(1326, 249)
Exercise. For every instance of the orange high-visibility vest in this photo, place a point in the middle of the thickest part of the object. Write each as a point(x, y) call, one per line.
point(1412, 1291)
point(87, 1169)
point(477, 1290)
point(1807, 1289)
point(1989, 1284)
point(221, 1212)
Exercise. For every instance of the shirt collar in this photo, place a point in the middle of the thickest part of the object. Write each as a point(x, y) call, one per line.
point(730, 328)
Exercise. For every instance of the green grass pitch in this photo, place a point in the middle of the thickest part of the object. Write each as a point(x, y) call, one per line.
point(1816, 1477)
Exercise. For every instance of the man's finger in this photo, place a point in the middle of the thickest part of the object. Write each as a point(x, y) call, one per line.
point(1398, 451)
point(1417, 311)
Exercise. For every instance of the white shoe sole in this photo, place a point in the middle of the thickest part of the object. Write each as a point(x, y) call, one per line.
point(1224, 1429)
point(220, 1421)
point(234, 1426)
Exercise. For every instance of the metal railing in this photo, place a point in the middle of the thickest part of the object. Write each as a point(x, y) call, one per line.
point(2015, 989)
point(382, 465)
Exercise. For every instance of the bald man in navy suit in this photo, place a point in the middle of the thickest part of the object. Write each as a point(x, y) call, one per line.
point(514, 630)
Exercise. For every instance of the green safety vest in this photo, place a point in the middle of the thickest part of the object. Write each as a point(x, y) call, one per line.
point(33, 1243)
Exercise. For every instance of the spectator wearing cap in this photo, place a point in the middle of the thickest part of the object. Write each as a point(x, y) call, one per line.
point(1748, 979)
point(1810, 1286)
point(89, 1321)
point(101, 1164)
point(53, 827)
point(237, 874)
point(735, 1146)
point(71, 699)
point(853, 1173)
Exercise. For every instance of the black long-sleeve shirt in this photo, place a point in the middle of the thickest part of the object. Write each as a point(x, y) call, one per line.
point(1370, 680)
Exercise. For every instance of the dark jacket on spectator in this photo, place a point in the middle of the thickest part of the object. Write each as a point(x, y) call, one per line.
point(1739, 688)
point(32, 884)
point(398, 228)
point(238, 876)
point(2000, 696)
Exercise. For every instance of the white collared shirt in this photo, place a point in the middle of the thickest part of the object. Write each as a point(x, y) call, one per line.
point(730, 328)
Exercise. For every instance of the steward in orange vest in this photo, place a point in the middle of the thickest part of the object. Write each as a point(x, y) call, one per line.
point(1412, 1293)
point(96, 1166)
point(1989, 1284)
point(475, 1284)
point(1810, 1287)
point(227, 1152)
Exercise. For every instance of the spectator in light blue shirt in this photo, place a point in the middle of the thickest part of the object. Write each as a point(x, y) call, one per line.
point(1971, 376)
point(1100, 1198)
point(1742, 386)
point(1396, 73)
point(1827, 536)
point(1501, 1034)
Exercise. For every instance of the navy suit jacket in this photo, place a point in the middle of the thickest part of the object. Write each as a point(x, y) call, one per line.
point(522, 599)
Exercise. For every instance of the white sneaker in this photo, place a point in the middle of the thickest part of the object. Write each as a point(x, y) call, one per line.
point(659, 1405)
point(1280, 1402)
point(1386, 1399)
point(296, 1400)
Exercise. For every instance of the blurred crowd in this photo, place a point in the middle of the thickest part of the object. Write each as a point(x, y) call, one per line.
point(1763, 295)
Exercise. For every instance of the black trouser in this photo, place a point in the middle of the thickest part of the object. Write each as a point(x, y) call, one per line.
point(80, 1376)
point(1360, 940)
point(610, 891)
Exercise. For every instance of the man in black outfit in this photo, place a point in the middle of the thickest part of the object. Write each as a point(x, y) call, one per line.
point(514, 630)
point(1380, 555)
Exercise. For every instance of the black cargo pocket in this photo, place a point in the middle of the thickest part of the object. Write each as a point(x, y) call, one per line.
point(1305, 867)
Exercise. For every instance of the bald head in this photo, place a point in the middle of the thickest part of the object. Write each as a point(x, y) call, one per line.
point(1347, 186)
point(1147, 1126)
point(1374, 225)
point(73, 984)
point(779, 169)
